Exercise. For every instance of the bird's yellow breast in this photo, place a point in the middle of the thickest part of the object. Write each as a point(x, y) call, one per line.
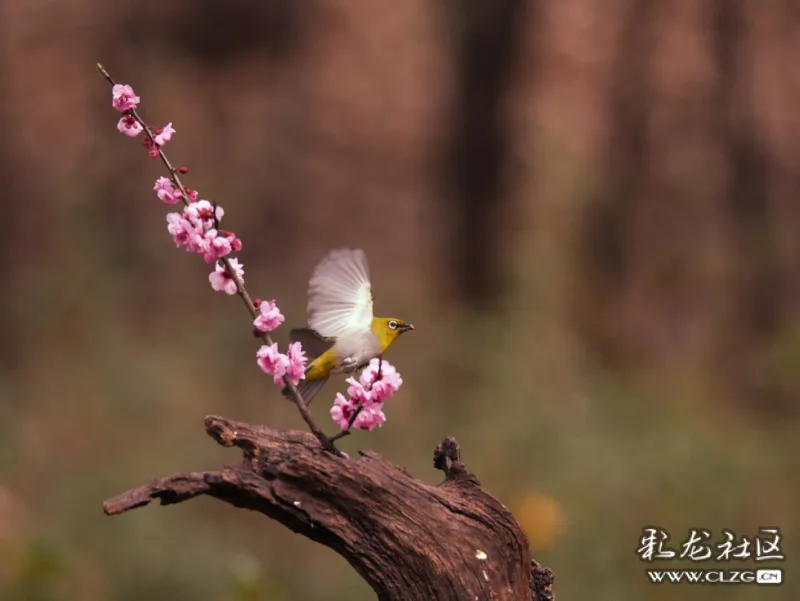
point(322, 366)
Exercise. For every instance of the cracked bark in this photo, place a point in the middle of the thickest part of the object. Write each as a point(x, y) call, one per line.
point(408, 540)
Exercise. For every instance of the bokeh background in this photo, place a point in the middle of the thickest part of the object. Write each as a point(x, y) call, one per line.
point(589, 210)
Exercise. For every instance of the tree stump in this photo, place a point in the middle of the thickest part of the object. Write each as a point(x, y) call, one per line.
point(408, 540)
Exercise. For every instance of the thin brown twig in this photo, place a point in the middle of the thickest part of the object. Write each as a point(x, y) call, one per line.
point(241, 291)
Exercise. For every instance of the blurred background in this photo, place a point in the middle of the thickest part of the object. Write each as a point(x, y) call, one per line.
point(589, 210)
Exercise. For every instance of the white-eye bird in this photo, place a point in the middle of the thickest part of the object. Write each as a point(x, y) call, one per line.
point(342, 334)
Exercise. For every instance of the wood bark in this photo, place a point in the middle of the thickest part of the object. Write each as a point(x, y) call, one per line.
point(410, 541)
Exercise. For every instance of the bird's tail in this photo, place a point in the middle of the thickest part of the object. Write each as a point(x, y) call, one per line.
point(308, 389)
point(314, 345)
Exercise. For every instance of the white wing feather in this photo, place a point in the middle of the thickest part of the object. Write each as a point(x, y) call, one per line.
point(340, 294)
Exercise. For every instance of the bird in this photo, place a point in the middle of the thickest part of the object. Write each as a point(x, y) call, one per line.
point(342, 335)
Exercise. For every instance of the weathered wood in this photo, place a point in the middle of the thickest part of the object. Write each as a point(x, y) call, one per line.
point(408, 540)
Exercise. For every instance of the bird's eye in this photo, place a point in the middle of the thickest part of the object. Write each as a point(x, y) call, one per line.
point(393, 325)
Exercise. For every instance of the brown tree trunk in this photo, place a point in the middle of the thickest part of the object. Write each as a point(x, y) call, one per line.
point(487, 39)
point(408, 540)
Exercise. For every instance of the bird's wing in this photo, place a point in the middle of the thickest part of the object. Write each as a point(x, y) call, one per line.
point(340, 294)
point(313, 344)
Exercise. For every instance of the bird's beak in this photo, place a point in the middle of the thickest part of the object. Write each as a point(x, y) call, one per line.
point(408, 326)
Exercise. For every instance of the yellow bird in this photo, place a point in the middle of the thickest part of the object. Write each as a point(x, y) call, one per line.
point(343, 335)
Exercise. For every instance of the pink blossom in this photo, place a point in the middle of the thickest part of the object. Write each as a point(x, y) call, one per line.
point(164, 134)
point(273, 363)
point(192, 194)
point(185, 232)
point(297, 362)
point(152, 149)
point(202, 211)
point(236, 243)
point(383, 388)
point(368, 392)
point(222, 281)
point(129, 126)
point(215, 246)
point(269, 317)
point(166, 191)
point(342, 410)
point(371, 417)
point(238, 268)
point(358, 392)
point(386, 370)
point(123, 98)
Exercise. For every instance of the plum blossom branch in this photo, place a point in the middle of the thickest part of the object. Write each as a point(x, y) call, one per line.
point(363, 406)
point(346, 430)
point(359, 408)
point(198, 230)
